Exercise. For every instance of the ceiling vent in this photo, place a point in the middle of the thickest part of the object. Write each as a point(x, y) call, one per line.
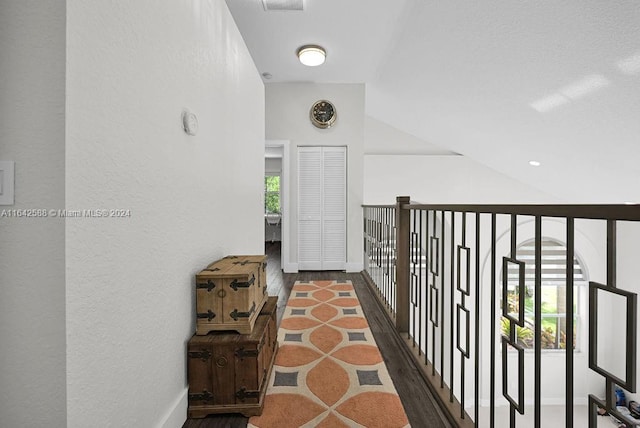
point(283, 4)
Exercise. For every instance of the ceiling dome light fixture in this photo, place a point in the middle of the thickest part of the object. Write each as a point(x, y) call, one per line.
point(311, 55)
point(534, 163)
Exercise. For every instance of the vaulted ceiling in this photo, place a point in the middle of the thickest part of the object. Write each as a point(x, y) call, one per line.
point(500, 81)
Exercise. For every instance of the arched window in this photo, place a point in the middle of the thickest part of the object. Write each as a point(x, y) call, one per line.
point(554, 309)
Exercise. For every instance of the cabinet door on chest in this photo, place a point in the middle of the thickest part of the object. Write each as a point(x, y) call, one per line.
point(230, 294)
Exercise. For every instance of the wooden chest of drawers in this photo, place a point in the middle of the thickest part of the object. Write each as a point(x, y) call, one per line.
point(230, 294)
point(229, 372)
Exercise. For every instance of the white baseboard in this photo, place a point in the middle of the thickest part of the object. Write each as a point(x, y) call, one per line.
point(354, 267)
point(349, 267)
point(290, 268)
point(177, 414)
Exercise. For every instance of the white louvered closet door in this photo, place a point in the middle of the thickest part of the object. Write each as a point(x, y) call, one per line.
point(334, 208)
point(309, 208)
point(321, 208)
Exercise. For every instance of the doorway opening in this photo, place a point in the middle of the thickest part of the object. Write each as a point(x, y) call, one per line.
point(276, 201)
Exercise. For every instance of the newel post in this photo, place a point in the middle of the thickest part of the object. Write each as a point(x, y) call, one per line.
point(403, 238)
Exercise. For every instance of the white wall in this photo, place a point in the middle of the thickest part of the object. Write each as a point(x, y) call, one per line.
point(32, 271)
point(441, 179)
point(381, 138)
point(398, 164)
point(287, 118)
point(132, 68)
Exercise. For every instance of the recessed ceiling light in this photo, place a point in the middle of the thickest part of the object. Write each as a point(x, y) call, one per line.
point(267, 75)
point(311, 55)
point(534, 163)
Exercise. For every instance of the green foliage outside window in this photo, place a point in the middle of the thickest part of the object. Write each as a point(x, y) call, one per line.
point(272, 194)
point(553, 331)
point(553, 291)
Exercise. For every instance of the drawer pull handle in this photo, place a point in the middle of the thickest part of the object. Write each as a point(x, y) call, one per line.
point(209, 285)
point(243, 394)
point(221, 361)
point(242, 353)
point(235, 284)
point(203, 396)
point(209, 315)
point(235, 314)
point(203, 355)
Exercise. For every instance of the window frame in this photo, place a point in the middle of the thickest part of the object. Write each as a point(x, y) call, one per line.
point(579, 288)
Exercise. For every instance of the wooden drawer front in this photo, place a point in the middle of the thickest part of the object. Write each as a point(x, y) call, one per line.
point(262, 270)
point(259, 267)
point(249, 374)
point(229, 375)
point(256, 267)
point(209, 307)
point(224, 370)
point(271, 341)
point(230, 294)
point(227, 368)
point(228, 372)
point(235, 302)
point(239, 298)
point(201, 390)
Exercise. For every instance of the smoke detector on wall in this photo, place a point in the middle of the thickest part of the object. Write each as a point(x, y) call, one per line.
point(189, 122)
point(283, 4)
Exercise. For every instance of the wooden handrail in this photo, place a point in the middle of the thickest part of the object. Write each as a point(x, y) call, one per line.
point(591, 212)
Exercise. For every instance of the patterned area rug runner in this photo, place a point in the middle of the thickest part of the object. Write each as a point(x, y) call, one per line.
point(328, 371)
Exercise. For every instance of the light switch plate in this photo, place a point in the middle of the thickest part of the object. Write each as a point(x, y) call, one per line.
point(6, 182)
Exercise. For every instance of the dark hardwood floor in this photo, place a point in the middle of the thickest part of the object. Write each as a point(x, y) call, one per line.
point(418, 401)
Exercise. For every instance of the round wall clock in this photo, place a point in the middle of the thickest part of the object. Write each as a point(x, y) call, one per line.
point(323, 114)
